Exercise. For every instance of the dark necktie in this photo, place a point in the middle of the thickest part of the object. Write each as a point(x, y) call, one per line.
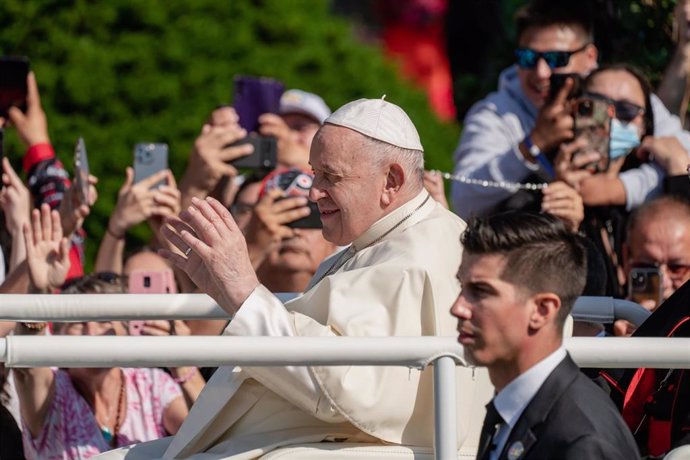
point(492, 422)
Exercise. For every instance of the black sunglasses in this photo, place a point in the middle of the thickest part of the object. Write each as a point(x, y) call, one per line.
point(527, 58)
point(626, 111)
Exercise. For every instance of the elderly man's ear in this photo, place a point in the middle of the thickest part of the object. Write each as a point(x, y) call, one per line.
point(395, 179)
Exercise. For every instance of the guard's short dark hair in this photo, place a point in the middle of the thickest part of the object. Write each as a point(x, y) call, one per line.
point(545, 13)
point(542, 255)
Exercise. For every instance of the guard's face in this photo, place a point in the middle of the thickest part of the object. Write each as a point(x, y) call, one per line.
point(348, 184)
point(493, 316)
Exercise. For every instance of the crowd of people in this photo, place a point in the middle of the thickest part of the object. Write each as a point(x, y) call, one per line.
point(539, 214)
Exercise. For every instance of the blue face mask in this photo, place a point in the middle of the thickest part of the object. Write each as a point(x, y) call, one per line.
point(624, 137)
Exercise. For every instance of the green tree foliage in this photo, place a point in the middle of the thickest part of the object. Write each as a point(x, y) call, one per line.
point(126, 71)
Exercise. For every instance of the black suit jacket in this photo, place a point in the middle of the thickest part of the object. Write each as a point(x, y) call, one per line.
point(570, 418)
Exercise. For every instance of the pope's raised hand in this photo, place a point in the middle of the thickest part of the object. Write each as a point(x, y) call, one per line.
point(213, 252)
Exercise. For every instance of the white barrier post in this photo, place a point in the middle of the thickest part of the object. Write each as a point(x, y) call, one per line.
point(445, 432)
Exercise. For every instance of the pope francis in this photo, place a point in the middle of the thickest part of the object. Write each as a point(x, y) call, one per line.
point(396, 277)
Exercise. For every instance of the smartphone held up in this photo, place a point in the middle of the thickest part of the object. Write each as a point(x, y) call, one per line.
point(149, 282)
point(81, 172)
point(646, 285)
point(13, 87)
point(254, 96)
point(150, 158)
point(593, 124)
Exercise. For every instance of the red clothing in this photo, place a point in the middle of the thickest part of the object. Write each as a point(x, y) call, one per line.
point(48, 180)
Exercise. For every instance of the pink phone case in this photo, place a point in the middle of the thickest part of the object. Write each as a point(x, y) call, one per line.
point(149, 282)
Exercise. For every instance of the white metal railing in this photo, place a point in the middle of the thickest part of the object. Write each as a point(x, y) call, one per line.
point(86, 351)
point(418, 352)
point(443, 352)
point(82, 307)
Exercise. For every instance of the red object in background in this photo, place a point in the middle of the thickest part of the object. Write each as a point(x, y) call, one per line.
point(413, 34)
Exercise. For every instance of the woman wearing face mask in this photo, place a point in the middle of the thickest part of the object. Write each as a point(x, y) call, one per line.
point(608, 197)
point(632, 130)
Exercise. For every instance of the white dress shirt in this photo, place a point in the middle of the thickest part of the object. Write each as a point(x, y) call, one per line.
point(514, 398)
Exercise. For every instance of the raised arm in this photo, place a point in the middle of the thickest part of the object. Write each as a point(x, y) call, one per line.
point(48, 263)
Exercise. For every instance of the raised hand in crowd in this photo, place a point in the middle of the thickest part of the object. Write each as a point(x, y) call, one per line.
point(73, 210)
point(15, 201)
point(595, 189)
point(210, 159)
point(433, 183)
point(554, 121)
point(291, 152)
point(563, 201)
point(674, 89)
point(32, 125)
point(667, 152)
point(570, 164)
point(136, 203)
point(267, 225)
point(47, 250)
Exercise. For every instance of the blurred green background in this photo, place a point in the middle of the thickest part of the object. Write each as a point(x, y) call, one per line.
point(119, 72)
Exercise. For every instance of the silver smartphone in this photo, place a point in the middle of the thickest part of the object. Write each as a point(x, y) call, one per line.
point(81, 171)
point(149, 158)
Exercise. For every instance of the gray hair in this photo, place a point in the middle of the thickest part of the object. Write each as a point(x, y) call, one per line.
point(412, 161)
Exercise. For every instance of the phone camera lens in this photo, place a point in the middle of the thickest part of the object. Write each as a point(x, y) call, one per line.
point(585, 108)
point(639, 280)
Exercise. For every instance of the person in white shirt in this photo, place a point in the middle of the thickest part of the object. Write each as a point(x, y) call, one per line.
point(396, 277)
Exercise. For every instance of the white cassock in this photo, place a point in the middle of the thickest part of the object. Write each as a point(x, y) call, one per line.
point(397, 279)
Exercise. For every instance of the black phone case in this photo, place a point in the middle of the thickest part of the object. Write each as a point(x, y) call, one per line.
point(265, 155)
point(313, 220)
point(13, 90)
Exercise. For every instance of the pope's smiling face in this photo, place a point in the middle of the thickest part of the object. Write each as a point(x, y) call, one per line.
point(348, 184)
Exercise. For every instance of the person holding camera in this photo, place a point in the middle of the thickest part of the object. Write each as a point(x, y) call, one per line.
point(284, 234)
point(597, 161)
point(210, 171)
point(510, 136)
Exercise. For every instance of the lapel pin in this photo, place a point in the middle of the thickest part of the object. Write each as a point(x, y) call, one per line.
point(516, 450)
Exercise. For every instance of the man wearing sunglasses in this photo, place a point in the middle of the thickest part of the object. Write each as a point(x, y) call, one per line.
point(506, 135)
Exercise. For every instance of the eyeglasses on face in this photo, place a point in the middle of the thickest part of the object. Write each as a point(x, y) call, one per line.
point(527, 58)
point(675, 270)
point(626, 111)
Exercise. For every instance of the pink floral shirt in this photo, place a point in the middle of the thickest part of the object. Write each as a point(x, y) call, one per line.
point(71, 432)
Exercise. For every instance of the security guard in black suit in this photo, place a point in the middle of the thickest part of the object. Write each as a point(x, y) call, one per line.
point(520, 276)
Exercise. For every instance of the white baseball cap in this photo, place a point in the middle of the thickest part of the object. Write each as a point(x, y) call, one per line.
point(379, 120)
point(298, 101)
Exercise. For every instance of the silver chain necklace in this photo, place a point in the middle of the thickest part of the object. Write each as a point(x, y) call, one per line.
point(489, 183)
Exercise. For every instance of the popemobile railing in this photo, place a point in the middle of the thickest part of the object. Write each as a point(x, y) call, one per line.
point(444, 353)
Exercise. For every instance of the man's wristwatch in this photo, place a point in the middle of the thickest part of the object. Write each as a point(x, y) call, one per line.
point(533, 150)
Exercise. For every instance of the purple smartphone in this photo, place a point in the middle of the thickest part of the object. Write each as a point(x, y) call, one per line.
point(255, 96)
